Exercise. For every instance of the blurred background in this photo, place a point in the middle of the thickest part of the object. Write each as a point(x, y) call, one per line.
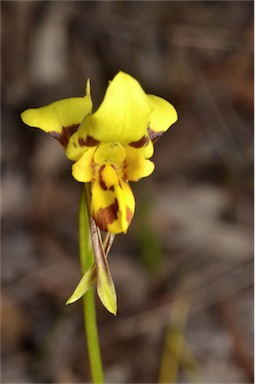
point(184, 270)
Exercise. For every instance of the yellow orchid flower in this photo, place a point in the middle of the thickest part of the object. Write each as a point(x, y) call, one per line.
point(111, 146)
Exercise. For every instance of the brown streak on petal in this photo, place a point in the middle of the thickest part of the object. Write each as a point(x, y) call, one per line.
point(124, 171)
point(106, 215)
point(154, 136)
point(65, 135)
point(88, 142)
point(101, 181)
point(129, 215)
point(140, 143)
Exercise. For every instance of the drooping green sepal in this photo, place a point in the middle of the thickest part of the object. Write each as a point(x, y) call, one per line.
point(85, 283)
point(105, 285)
point(90, 277)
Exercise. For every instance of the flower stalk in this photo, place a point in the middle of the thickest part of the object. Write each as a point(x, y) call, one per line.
point(86, 260)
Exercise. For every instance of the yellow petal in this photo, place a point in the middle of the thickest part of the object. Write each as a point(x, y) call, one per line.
point(163, 116)
point(112, 203)
point(136, 165)
point(79, 143)
point(109, 177)
point(126, 208)
point(61, 118)
point(122, 117)
point(82, 170)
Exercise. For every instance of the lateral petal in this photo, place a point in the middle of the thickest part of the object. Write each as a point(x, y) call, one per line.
point(162, 117)
point(61, 118)
point(136, 165)
point(82, 170)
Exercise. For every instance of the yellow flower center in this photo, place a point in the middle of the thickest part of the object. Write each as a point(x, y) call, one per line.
point(110, 153)
point(108, 162)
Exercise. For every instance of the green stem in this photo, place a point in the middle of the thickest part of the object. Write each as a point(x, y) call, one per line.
point(87, 259)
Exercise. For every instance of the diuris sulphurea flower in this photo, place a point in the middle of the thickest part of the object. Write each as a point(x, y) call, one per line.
point(109, 147)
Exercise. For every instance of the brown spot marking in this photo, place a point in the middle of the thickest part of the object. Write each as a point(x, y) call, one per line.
point(140, 143)
point(124, 171)
point(129, 215)
point(154, 136)
point(65, 135)
point(106, 215)
point(88, 142)
point(101, 181)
